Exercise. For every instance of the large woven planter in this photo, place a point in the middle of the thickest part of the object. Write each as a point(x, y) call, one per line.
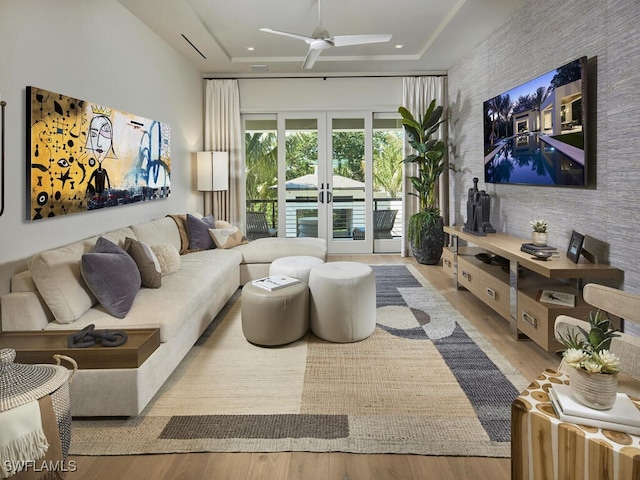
point(595, 390)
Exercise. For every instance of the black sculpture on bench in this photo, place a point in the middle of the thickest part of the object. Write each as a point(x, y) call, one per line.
point(478, 212)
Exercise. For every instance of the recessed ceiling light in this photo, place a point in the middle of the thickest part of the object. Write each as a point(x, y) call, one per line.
point(251, 49)
point(399, 45)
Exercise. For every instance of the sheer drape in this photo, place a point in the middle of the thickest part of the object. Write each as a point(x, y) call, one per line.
point(417, 93)
point(223, 132)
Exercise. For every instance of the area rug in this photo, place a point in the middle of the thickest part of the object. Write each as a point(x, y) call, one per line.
point(426, 382)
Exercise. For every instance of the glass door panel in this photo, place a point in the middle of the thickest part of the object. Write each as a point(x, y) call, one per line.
point(261, 147)
point(349, 183)
point(347, 177)
point(388, 138)
point(301, 153)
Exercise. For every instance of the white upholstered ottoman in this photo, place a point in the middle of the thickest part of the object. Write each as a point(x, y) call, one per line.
point(298, 266)
point(275, 317)
point(342, 304)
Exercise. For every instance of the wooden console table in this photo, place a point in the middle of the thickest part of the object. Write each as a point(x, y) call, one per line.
point(39, 346)
point(544, 448)
point(512, 290)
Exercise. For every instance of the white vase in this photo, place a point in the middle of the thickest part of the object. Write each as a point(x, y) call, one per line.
point(539, 238)
point(595, 390)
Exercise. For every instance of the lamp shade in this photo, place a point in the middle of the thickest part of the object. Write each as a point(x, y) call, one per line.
point(213, 171)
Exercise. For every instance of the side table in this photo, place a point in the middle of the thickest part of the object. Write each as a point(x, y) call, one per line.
point(544, 448)
point(39, 346)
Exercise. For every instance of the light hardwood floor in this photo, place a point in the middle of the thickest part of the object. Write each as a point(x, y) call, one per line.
point(523, 354)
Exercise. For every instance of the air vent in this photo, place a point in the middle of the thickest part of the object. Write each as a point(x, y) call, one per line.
point(259, 68)
point(194, 47)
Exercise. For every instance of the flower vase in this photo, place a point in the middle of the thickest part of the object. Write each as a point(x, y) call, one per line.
point(595, 390)
point(539, 239)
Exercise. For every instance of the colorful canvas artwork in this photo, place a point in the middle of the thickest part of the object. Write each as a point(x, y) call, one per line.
point(82, 156)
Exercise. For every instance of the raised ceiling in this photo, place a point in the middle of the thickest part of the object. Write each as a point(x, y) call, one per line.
point(216, 35)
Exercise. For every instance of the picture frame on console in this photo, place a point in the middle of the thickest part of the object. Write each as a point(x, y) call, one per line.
point(575, 246)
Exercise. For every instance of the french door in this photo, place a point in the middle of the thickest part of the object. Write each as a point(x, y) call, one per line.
point(325, 180)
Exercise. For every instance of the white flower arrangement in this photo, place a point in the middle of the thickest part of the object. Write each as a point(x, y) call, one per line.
point(591, 352)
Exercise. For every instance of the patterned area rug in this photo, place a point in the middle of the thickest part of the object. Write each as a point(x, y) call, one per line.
point(426, 382)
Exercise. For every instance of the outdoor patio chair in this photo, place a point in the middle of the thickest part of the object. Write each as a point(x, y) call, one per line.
point(383, 221)
point(257, 226)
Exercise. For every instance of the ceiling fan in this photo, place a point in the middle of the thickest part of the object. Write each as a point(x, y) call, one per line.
point(320, 40)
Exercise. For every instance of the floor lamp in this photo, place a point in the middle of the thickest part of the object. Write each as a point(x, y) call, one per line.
point(213, 176)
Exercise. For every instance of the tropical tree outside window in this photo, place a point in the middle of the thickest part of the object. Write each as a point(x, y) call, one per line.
point(262, 167)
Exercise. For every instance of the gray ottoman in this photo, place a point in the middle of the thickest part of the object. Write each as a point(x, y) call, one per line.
point(298, 266)
point(275, 317)
point(342, 301)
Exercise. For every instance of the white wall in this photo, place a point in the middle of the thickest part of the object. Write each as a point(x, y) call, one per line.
point(97, 51)
point(539, 37)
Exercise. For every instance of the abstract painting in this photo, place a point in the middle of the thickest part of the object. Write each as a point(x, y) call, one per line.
point(82, 156)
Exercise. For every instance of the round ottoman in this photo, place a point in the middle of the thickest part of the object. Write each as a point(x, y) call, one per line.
point(274, 317)
point(342, 301)
point(297, 266)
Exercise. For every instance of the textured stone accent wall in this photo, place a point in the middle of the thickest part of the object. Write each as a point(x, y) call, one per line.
point(540, 36)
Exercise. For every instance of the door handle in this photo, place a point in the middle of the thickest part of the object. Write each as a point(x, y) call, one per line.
point(329, 197)
point(321, 197)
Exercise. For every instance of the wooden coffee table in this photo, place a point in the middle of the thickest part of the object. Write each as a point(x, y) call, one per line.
point(40, 346)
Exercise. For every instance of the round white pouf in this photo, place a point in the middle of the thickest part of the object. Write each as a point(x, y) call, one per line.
point(342, 304)
point(275, 317)
point(297, 266)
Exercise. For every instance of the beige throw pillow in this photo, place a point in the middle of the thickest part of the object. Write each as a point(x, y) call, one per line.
point(57, 275)
point(168, 257)
point(227, 237)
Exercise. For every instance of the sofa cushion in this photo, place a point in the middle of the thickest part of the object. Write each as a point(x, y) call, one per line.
point(112, 275)
point(266, 250)
point(158, 232)
point(227, 237)
point(198, 231)
point(168, 257)
point(147, 262)
point(57, 275)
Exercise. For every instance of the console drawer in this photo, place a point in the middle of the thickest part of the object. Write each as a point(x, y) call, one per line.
point(486, 284)
point(447, 262)
point(536, 320)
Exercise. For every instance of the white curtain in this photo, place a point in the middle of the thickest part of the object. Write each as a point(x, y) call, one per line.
point(223, 132)
point(417, 93)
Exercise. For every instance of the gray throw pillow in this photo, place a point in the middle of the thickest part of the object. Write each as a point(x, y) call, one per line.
point(112, 276)
point(147, 262)
point(198, 232)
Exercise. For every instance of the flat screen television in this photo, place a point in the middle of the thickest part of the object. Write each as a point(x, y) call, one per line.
point(535, 133)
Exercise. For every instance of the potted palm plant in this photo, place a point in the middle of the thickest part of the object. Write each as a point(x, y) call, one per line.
point(425, 228)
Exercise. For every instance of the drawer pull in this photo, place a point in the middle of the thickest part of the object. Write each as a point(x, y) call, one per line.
point(530, 319)
point(447, 263)
point(491, 293)
point(466, 275)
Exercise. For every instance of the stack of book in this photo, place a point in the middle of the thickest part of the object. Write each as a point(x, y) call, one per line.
point(624, 416)
point(275, 282)
point(532, 249)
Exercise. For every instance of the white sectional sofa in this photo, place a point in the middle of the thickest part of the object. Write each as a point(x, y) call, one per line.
point(183, 306)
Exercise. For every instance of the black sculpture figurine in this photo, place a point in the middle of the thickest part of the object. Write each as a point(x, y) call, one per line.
point(478, 212)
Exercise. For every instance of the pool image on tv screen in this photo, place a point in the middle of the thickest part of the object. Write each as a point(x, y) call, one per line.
point(534, 134)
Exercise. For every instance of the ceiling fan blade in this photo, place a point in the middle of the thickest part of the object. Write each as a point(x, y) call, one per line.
point(345, 40)
point(287, 34)
point(311, 58)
